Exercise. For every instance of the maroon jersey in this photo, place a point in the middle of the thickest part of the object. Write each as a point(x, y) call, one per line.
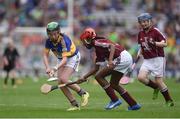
point(102, 48)
point(148, 49)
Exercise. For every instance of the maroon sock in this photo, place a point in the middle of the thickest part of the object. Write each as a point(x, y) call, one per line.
point(152, 85)
point(110, 92)
point(166, 95)
point(127, 97)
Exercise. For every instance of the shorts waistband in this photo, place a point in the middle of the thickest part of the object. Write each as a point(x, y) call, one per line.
point(75, 53)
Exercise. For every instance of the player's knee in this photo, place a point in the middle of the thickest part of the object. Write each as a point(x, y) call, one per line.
point(113, 85)
point(161, 84)
point(97, 77)
point(159, 80)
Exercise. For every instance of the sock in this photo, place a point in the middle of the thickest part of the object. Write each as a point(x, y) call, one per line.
point(152, 85)
point(81, 92)
point(110, 92)
point(127, 97)
point(74, 103)
point(166, 95)
point(6, 79)
point(13, 81)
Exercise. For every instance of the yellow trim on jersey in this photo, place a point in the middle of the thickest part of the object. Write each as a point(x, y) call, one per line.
point(46, 50)
point(71, 52)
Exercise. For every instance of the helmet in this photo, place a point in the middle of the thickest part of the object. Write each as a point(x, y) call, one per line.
point(88, 33)
point(87, 36)
point(91, 31)
point(52, 26)
point(144, 16)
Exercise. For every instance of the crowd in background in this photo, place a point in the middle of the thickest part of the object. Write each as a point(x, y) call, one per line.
point(115, 19)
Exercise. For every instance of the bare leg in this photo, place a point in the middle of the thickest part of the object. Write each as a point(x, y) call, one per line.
point(142, 77)
point(116, 76)
point(163, 88)
point(100, 77)
point(64, 78)
point(65, 90)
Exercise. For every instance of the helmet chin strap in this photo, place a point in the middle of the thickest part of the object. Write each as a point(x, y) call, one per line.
point(87, 42)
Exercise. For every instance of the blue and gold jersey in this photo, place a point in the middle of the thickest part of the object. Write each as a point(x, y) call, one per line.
point(65, 48)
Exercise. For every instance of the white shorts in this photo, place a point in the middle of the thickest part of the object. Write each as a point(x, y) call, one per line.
point(123, 62)
point(73, 61)
point(154, 66)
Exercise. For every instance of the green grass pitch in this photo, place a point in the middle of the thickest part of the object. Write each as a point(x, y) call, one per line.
point(27, 101)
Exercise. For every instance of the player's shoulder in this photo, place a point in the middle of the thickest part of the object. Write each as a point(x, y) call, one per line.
point(156, 30)
point(102, 39)
point(141, 32)
point(65, 37)
point(47, 40)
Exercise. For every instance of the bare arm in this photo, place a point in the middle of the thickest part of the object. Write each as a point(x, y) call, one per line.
point(62, 63)
point(112, 51)
point(45, 58)
point(161, 44)
point(139, 52)
point(5, 61)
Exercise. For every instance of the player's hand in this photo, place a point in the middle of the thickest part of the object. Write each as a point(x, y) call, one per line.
point(81, 80)
point(110, 64)
point(152, 42)
point(50, 72)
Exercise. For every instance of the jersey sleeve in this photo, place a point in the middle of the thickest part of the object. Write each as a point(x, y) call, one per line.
point(47, 46)
point(68, 47)
point(102, 43)
point(138, 38)
point(160, 36)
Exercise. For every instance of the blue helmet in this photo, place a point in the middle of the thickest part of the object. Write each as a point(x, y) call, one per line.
point(144, 16)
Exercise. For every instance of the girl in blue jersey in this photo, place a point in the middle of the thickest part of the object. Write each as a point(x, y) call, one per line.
point(69, 58)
